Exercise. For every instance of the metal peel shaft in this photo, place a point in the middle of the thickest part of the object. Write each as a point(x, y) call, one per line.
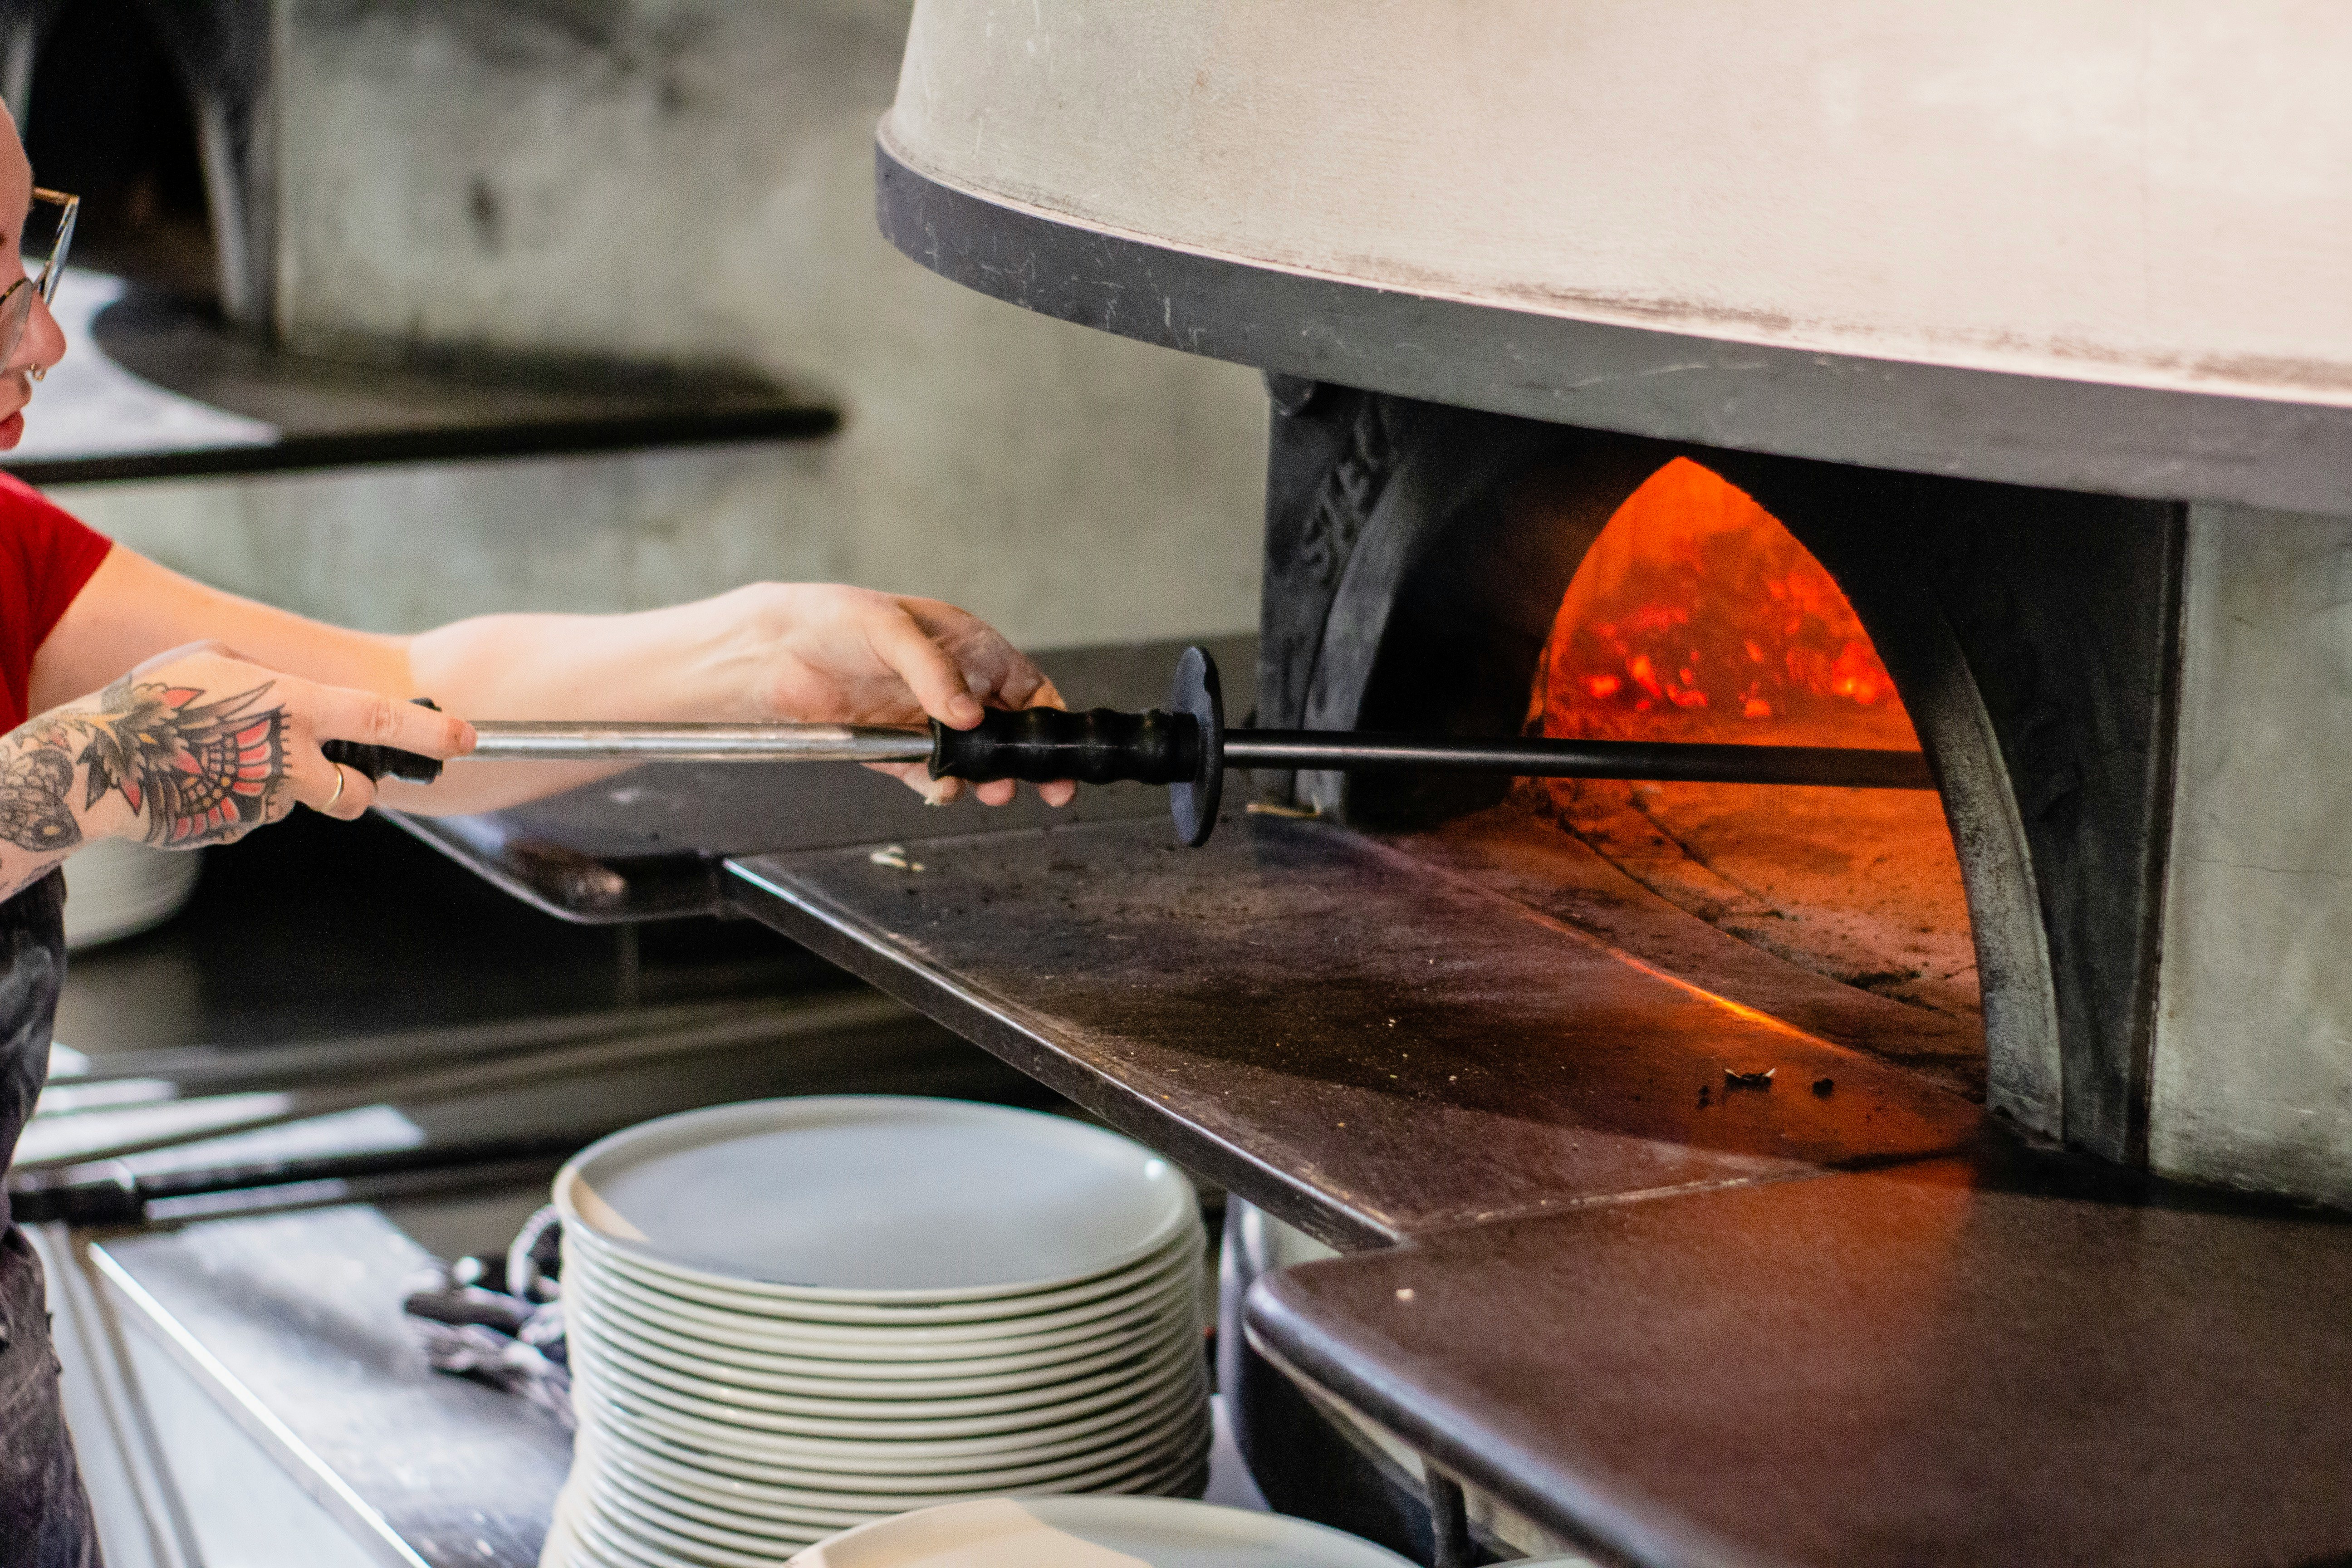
point(1185, 746)
point(518, 740)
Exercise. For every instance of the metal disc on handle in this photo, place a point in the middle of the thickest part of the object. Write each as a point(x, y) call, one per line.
point(1197, 693)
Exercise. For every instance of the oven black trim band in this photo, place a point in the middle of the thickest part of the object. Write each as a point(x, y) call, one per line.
point(1886, 414)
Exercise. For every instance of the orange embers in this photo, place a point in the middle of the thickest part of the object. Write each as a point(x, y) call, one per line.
point(1696, 617)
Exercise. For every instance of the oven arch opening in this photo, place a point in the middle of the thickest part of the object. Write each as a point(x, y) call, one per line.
point(1417, 555)
point(1695, 616)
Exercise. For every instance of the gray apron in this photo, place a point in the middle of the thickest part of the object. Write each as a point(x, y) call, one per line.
point(44, 1513)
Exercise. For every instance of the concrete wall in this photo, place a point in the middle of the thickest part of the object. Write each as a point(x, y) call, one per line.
point(692, 180)
point(2252, 1071)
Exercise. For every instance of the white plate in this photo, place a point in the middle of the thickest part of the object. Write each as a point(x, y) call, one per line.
point(648, 1500)
point(637, 1548)
point(1007, 1337)
point(754, 1482)
point(1153, 1410)
point(710, 1406)
point(664, 1521)
point(1186, 1248)
point(868, 1198)
point(763, 1301)
point(817, 1395)
point(1170, 1400)
point(879, 1420)
point(1186, 1244)
point(755, 1477)
point(562, 1547)
point(1150, 1345)
point(594, 1548)
point(683, 1540)
point(1151, 1454)
point(1166, 1532)
point(882, 1379)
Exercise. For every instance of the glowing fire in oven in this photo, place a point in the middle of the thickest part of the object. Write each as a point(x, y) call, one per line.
point(1696, 617)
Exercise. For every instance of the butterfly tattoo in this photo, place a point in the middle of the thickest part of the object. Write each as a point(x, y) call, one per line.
point(202, 771)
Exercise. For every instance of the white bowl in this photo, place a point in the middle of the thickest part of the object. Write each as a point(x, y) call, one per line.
point(875, 1199)
point(117, 889)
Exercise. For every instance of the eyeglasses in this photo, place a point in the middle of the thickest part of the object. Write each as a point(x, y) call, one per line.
point(49, 232)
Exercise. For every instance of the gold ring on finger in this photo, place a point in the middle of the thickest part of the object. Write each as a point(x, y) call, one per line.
point(339, 789)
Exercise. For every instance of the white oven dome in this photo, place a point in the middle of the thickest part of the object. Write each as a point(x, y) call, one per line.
point(2152, 194)
point(1477, 202)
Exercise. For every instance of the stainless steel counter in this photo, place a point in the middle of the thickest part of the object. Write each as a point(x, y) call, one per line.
point(292, 1323)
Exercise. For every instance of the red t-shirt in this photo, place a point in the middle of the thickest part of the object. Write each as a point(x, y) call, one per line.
point(46, 556)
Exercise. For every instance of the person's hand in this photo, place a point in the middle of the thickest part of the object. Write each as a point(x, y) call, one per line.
point(196, 746)
point(825, 654)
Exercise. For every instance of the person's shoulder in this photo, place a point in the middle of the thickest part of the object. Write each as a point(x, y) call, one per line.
point(19, 499)
point(41, 539)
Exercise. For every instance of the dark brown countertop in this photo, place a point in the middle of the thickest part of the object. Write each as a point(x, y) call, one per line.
point(1910, 1367)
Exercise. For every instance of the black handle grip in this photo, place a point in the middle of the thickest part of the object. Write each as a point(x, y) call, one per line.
point(375, 762)
point(1101, 745)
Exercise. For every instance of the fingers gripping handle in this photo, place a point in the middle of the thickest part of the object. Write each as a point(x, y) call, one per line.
point(1182, 745)
point(376, 762)
point(1038, 745)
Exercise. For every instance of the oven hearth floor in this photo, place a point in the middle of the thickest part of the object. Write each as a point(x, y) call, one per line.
point(1363, 1043)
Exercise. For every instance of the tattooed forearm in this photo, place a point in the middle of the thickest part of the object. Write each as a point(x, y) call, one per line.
point(172, 760)
point(195, 772)
point(198, 771)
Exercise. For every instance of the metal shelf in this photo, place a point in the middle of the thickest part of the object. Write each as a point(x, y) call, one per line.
point(152, 388)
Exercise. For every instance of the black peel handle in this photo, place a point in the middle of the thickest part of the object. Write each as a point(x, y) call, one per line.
point(1038, 745)
point(376, 762)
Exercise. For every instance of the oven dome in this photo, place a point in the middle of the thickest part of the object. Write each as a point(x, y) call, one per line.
point(1784, 212)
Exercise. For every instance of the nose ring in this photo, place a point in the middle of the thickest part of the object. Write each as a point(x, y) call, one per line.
point(37, 371)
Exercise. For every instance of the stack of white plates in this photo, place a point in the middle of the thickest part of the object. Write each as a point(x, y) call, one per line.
point(792, 1317)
